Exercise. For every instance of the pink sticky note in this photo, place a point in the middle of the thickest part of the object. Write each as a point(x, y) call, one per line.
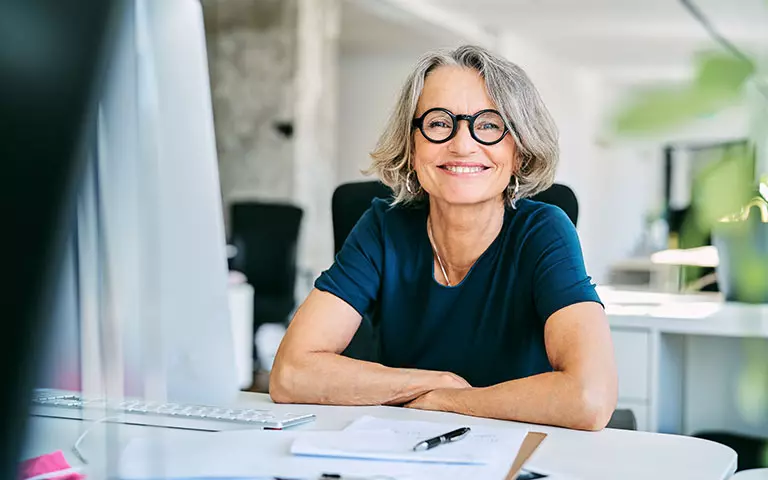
point(48, 464)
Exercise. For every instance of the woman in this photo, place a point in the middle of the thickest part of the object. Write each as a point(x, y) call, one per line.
point(480, 295)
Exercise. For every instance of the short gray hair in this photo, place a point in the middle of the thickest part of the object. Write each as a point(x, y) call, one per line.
point(516, 99)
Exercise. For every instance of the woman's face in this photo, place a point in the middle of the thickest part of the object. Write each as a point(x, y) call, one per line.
point(461, 170)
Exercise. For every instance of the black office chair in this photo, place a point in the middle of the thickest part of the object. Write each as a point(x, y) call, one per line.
point(348, 204)
point(561, 196)
point(351, 200)
point(266, 237)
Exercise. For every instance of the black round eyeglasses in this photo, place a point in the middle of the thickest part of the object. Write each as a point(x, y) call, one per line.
point(438, 125)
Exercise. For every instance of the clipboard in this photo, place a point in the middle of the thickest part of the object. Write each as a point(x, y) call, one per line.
point(530, 444)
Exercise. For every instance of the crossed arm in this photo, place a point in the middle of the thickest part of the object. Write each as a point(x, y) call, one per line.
point(580, 393)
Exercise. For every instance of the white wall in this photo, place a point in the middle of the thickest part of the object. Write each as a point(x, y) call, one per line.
point(574, 98)
point(368, 88)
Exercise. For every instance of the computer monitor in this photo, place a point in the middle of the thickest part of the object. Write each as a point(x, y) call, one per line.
point(146, 260)
point(49, 60)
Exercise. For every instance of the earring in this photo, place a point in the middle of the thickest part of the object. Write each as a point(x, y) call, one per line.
point(408, 187)
point(512, 191)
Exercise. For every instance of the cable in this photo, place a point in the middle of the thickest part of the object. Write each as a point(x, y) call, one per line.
point(76, 445)
point(704, 21)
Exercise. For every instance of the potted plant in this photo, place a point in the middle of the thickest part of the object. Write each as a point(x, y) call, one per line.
point(733, 208)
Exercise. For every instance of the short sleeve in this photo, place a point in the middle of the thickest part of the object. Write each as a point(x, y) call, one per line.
point(559, 275)
point(355, 275)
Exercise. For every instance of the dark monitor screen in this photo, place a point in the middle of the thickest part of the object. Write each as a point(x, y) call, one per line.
point(50, 58)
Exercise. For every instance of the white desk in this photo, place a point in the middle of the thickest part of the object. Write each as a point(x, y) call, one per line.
point(609, 455)
point(680, 359)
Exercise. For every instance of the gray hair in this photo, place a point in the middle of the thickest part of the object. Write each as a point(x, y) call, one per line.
point(516, 99)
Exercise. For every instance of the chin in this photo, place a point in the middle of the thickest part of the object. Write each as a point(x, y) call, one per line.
point(469, 199)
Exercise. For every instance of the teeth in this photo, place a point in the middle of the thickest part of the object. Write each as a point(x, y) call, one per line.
point(455, 169)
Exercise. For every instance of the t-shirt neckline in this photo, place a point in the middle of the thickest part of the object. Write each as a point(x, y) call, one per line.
point(492, 247)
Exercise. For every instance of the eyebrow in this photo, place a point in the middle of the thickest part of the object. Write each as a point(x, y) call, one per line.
point(422, 112)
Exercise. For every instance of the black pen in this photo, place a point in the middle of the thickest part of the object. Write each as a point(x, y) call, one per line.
point(449, 437)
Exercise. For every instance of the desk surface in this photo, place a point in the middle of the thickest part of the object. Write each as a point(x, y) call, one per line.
point(609, 454)
point(699, 314)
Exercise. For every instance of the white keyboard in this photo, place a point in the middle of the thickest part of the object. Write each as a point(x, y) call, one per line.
point(201, 417)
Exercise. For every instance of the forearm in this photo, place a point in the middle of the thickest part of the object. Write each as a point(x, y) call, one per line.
point(554, 398)
point(329, 378)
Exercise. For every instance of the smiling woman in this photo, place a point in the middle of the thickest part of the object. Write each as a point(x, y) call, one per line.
point(480, 295)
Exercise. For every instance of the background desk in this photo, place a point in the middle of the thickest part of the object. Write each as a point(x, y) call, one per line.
point(681, 359)
point(610, 454)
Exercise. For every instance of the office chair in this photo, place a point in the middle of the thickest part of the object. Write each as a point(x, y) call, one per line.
point(561, 196)
point(351, 200)
point(266, 237)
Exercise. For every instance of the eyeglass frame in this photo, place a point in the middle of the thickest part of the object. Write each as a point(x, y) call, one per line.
point(418, 122)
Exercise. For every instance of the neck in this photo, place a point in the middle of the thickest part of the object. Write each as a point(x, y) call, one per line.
point(461, 233)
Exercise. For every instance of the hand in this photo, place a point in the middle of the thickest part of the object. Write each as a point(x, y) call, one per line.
point(437, 400)
point(451, 380)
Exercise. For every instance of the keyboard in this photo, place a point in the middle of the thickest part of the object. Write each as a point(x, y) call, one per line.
point(55, 403)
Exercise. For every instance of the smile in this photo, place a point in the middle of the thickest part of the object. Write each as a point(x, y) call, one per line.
point(464, 169)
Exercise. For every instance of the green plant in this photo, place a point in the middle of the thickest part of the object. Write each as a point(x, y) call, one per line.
point(718, 84)
point(723, 79)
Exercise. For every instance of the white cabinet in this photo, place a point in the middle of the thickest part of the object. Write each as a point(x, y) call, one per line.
point(632, 350)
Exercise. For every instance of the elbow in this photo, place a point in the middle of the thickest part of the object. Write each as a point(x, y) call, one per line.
point(596, 406)
point(281, 384)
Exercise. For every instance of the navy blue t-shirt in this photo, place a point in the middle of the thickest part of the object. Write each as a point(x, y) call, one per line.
point(490, 327)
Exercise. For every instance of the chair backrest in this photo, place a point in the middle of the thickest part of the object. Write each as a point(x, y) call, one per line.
point(351, 200)
point(266, 236)
point(561, 196)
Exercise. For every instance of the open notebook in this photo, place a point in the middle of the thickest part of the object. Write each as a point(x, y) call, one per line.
point(393, 440)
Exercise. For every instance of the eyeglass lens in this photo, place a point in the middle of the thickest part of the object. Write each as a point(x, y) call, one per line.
point(438, 126)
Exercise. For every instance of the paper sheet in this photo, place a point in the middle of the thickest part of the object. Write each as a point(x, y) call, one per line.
point(482, 437)
point(379, 439)
point(257, 453)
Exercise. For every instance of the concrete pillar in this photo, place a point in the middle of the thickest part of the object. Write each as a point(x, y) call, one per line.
point(252, 53)
point(315, 116)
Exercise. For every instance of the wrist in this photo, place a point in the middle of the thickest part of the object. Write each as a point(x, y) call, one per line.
point(452, 399)
point(427, 380)
point(417, 383)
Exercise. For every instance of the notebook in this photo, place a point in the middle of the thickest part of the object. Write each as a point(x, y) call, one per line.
point(393, 440)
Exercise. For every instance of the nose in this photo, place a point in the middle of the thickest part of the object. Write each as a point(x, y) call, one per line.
point(462, 144)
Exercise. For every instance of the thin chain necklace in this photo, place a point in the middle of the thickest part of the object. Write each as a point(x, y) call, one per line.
point(434, 249)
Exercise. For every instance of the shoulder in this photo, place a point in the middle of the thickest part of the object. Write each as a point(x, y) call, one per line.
point(396, 217)
point(540, 216)
point(538, 227)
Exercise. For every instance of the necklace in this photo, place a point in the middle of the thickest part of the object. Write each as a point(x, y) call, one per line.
point(434, 249)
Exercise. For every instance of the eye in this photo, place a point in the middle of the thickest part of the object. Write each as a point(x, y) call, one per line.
point(487, 126)
point(438, 124)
